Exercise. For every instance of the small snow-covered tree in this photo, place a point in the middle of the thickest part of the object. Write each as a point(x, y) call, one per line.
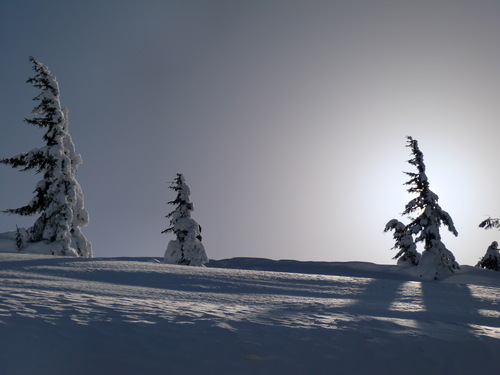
point(407, 254)
point(436, 258)
point(58, 195)
point(491, 260)
point(187, 248)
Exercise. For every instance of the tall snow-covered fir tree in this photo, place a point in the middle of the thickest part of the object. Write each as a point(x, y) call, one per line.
point(58, 195)
point(436, 258)
point(187, 248)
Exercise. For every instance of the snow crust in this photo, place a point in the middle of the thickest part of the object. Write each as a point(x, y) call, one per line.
point(61, 315)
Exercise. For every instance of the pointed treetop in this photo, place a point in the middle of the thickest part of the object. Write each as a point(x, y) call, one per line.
point(43, 79)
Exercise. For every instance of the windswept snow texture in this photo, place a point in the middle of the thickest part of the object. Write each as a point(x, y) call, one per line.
point(62, 315)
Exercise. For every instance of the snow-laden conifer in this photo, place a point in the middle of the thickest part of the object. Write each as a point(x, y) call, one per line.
point(436, 258)
point(58, 196)
point(187, 248)
point(491, 260)
point(407, 254)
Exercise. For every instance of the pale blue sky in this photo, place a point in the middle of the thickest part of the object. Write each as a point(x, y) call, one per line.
point(288, 118)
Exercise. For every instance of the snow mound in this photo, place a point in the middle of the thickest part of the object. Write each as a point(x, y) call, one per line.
point(8, 245)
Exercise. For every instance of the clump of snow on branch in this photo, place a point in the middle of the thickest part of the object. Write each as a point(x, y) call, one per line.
point(187, 248)
point(490, 223)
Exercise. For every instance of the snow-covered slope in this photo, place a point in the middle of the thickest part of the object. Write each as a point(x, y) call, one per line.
point(137, 316)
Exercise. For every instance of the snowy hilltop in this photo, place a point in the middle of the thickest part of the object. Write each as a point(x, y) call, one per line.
point(61, 315)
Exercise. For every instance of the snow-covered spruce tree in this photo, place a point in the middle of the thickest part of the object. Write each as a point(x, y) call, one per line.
point(58, 196)
point(407, 254)
point(187, 248)
point(491, 260)
point(436, 258)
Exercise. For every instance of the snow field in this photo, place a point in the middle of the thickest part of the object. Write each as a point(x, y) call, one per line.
point(135, 316)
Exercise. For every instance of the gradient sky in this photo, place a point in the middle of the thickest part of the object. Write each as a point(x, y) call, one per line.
point(287, 118)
